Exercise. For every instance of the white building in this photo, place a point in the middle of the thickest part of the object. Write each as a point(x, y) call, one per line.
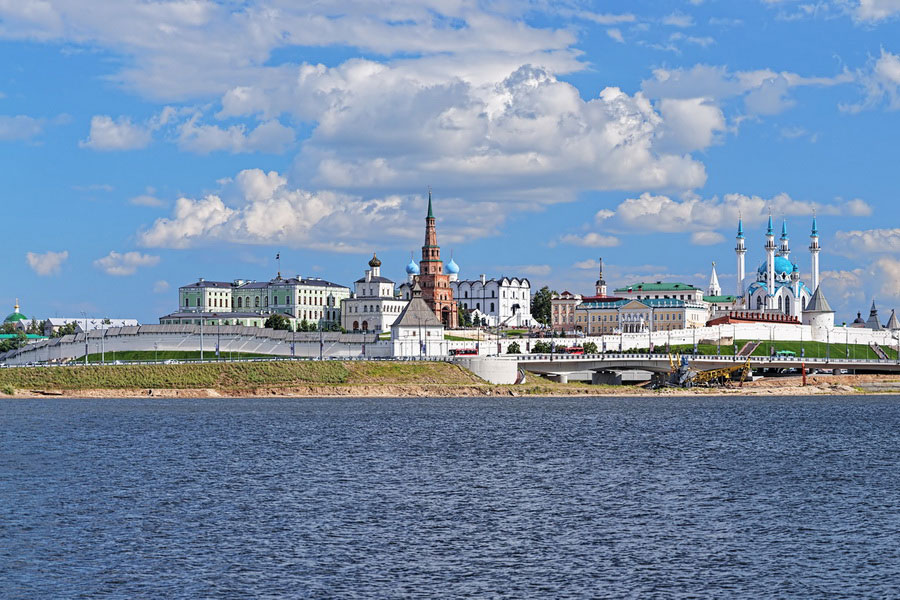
point(82, 324)
point(249, 303)
point(417, 331)
point(505, 301)
point(374, 305)
point(776, 285)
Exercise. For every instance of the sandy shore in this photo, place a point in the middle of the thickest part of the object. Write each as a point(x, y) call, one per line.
point(782, 386)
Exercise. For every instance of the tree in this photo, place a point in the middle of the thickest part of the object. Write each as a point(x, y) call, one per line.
point(540, 305)
point(14, 342)
point(278, 321)
point(304, 325)
point(513, 348)
point(589, 348)
point(541, 348)
point(67, 329)
point(464, 317)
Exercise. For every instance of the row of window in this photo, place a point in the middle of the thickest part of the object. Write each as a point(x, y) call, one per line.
point(388, 308)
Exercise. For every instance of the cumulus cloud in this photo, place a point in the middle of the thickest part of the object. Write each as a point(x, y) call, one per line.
point(693, 213)
point(690, 124)
point(843, 287)
point(19, 127)
point(872, 241)
point(116, 134)
point(262, 208)
point(269, 136)
point(161, 287)
point(120, 264)
point(888, 272)
point(48, 263)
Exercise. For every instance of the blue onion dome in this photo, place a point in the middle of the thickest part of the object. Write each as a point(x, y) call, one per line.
point(451, 268)
point(412, 268)
point(783, 266)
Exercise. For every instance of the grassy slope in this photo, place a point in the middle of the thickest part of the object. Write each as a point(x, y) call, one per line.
point(233, 376)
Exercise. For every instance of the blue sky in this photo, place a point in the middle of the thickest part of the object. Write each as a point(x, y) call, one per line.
point(148, 143)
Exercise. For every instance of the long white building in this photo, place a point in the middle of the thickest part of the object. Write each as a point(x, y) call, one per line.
point(374, 305)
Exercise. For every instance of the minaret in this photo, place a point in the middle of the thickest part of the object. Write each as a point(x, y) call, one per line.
point(770, 264)
point(600, 285)
point(814, 253)
point(795, 284)
point(714, 288)
point(785, 249)
point(740, 249)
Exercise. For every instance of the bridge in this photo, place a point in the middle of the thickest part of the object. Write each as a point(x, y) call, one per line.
point(559, 366)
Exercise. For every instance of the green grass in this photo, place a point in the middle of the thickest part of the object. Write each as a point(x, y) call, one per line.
point(456, 338)
point(147, 355)
point(233, 376)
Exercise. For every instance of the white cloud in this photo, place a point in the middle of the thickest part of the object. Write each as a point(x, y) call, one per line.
point(690, 124)
point(146, 200)
point(880, 83)
point(695, 214)
point(873, 241)
point(678, 20)
point(119, 264)
point(888, 272)
point(119, 134)
point(764, 91)
point(262, 208)
point(606, 18)
point(706, 238)
point(48, 263)
point(19, 127)
point(588, 264)
point(269, 136)
point(615, 34)
point(603, 214)
point(877, 10)
point(590, 240)
point(843, 287)
point(161, 287)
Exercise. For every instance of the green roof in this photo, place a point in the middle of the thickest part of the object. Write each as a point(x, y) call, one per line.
point(658, 286)
point(719, 298)
point(29, 336)
point(15, 317)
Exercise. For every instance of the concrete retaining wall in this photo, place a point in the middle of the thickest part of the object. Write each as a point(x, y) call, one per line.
point(493, 370)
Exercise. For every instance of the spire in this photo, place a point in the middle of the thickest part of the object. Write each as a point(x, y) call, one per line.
point(893, 324)
point(815, 227)
point(430, 212)
point(16, 307)
point(740, 233)
point(818, 303)
point(770, 230)
point(784, 233)
point(714, 288)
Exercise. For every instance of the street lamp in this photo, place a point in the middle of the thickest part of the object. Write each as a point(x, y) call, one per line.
point(84, 316)
point(201, 337)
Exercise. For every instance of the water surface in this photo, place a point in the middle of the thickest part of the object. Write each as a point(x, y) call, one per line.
point(519, 498)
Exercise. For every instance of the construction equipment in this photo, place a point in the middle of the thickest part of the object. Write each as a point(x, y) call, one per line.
point(681, 374)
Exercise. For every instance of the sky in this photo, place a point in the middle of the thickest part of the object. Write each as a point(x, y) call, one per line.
point(147, 143)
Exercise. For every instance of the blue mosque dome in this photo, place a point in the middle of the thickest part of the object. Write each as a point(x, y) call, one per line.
point(451, 268)
point(412, 268)
point(782, 266)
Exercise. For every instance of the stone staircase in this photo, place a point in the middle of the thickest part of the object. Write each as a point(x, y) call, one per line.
point(748, 348)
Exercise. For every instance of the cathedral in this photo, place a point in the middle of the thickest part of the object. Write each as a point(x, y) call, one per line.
point(776, 285)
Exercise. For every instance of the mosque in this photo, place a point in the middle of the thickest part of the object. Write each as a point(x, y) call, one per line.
point(776, 287)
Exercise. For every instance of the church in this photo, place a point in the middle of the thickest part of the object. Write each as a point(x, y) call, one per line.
point(775, 287)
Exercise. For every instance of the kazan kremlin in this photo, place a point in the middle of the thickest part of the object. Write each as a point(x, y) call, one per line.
point(435, 313)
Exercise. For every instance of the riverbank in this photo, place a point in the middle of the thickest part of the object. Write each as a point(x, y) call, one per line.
point(376, 379)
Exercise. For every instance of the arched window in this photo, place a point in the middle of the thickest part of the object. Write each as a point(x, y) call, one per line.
point(267, 301)
point(198, 301)
point(780, 307)
point(187, 301)
point(492, 307)
point(758, 302)
point(355, 325)
point(240, 303)
point(465, 294)
point(365, 325)
point(256, 302)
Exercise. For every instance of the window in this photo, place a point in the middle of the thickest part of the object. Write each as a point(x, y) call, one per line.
point(492, 307)
point(198, 301)
point(187, 301)
point(256, 302)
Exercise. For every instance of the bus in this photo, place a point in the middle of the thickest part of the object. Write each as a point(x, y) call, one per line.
point(463, 352)
point(572, 350)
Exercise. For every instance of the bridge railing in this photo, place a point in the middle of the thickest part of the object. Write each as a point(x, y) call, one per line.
point(616, 356)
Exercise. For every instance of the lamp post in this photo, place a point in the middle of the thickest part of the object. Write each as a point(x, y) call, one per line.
point(84, 316)
point(216, 317)
point(201, 337)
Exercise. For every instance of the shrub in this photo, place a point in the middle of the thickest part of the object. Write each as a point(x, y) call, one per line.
point(513, 348)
